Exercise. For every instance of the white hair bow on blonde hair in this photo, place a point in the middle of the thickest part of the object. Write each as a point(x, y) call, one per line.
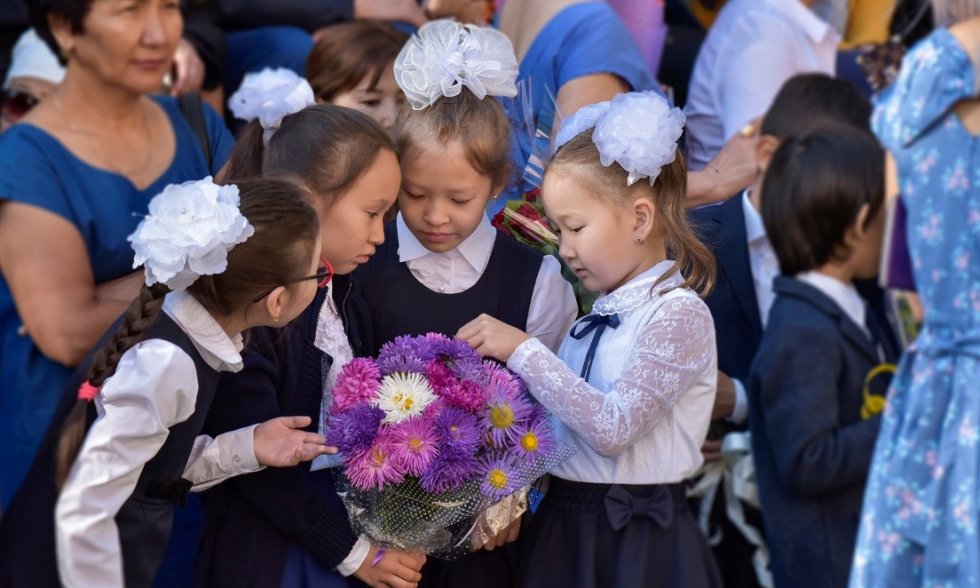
point(445, 56)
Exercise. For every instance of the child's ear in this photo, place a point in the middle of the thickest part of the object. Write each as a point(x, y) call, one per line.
point(275, 303)
point(644, 215)
point(858, 229)
point(764, 150)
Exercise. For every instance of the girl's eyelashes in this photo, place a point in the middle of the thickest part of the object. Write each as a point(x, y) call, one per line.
point(371, 103)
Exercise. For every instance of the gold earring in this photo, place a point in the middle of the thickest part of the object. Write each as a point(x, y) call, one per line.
point(638, 239)
point(65, 54)
point(275, 319)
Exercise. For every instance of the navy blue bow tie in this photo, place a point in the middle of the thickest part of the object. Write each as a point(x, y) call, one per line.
point(597, 323)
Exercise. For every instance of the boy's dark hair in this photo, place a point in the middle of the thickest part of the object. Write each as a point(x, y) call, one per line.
point(809, 101)
point(813, 191)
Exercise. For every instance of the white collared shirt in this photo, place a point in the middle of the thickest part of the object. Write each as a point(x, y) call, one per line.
point(844, 295)
point(642, 416)
point(765, 267)
point(553, 308)
point(154, 388)
point(751, 50)
point(762, 258)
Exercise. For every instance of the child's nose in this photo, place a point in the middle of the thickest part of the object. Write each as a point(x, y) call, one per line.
point(435, 214)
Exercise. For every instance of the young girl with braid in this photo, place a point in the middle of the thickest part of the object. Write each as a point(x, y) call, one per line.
point(125, 445)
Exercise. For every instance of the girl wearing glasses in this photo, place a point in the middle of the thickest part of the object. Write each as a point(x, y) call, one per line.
point(126, 446)
point(289, 523)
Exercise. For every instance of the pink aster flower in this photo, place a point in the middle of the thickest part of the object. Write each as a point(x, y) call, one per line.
point(375, 467)
point(414, 444)
point(440, 377)
point(467, 395)
point(357, 383)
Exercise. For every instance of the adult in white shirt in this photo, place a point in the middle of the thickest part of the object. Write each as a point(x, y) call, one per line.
point(751, 50)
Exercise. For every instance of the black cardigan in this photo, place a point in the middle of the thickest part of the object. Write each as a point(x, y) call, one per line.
point(251, 522)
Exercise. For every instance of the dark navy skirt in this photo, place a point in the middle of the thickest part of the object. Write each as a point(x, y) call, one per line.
point(628, 536)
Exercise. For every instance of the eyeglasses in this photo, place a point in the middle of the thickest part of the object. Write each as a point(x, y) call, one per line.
point(14, 104)
point(322, 276)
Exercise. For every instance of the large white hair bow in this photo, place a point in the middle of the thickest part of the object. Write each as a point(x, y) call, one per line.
point(270, 95)
point(638, 130)
point(188, 233)
point(444, 56)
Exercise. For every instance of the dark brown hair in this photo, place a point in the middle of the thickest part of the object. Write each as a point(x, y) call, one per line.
point(481, 126)
point(286, 231)
point(808, 101)
point(668, 194)
point(325, 147)
point(813, 191)
point(347, 53)
point(72, 11)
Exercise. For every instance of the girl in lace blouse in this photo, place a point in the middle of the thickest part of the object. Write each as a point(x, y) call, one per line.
point(633, 383)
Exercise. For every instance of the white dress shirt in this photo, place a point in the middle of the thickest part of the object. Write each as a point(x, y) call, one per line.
point(751, 50)
point(844, 295)
point(765, 267)
point(154, 388)
point(331, 338)
point(642, 416)
point(553, 308)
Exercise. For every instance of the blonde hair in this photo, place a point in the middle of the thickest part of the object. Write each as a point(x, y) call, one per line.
point(668, 195)
point(481, 127)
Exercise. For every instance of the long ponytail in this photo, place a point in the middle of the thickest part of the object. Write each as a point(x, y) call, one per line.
point(141, 314)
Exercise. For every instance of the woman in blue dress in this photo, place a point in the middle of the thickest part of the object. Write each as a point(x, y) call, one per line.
point(76, 175)
point(919, 525)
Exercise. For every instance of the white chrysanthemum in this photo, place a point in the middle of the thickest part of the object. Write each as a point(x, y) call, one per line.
point(188, 232)
point(444, 56)
point(402, 396)
point(270, 95)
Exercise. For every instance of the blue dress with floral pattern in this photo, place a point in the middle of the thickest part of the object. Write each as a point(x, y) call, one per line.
point(919, 525)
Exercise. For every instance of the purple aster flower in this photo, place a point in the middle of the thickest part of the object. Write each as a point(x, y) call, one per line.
point(354, 430)
point(357, 383)
point(440, 377)
point(502, 380)
point(504, 412)
point(400, 356)
point(375, 467)
point(533, 441)
point(458, 430)
point(457, 350)
point(428, 346)
point(434, 409)
point(415, 444)
point(498, 478)
point(474, 370)
point(467, 395)
point(449, 471)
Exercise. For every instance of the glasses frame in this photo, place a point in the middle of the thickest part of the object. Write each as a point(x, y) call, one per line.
point(30, 101)
point(322, 276)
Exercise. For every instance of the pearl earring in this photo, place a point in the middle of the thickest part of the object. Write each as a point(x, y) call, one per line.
point(638, 239)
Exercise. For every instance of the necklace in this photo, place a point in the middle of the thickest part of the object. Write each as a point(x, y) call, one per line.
point(131, 173)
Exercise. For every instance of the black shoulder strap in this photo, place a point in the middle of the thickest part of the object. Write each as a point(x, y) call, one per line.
point(193, 110)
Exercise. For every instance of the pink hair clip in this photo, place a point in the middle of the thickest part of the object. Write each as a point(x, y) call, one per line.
point(87, 391)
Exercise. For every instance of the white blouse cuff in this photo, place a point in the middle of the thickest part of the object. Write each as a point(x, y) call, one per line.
point(356, 557)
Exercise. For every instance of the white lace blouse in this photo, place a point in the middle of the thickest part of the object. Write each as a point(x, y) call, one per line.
point(644, 413)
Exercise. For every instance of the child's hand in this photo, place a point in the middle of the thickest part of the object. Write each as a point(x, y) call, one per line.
point(492, 338)
point(506, 535)
point(396, 569)
point(281, 442)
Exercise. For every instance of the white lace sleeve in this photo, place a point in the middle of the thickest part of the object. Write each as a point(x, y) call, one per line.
point(672, 351)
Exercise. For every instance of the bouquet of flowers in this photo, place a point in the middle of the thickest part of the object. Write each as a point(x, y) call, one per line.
point(438, 445)
point(525, 221)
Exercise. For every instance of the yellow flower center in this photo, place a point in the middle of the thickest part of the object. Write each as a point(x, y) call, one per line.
point(501, 416)
point(498, 479)
point(378, 456)
point(407, 403)
point(529, 441)
point(415, 444)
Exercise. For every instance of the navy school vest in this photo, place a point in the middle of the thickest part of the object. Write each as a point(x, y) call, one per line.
point(401, 305)
point(27, 531)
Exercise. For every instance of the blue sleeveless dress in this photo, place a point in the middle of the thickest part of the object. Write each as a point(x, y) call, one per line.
point(920, 519)
point(105, 207)
point(582, 39)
